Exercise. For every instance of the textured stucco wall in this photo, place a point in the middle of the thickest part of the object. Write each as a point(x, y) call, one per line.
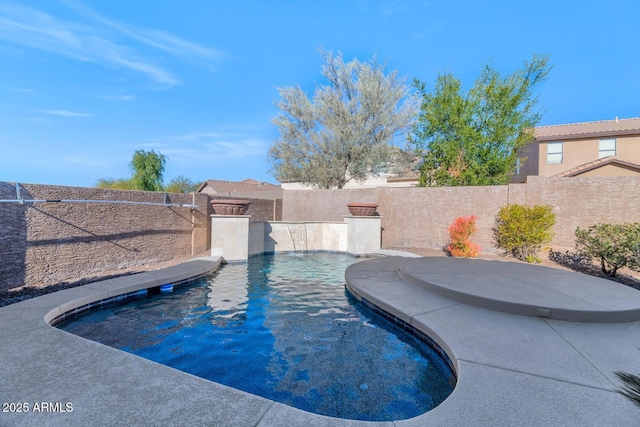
point(303, 236)
point(43, 244)
point(259, 209)
point(13, 238)
point(585, 201)
point(49, 243)
point(419, 217)
point(577, 152)
point(323, 205)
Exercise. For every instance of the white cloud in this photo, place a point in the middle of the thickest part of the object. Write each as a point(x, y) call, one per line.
point(243, 147)
point(97, 43)
point(66, 113)
point(156, 73)
point(30, 27)
point(154, 38)
point(127, 98)
point(180, 47)
point(198, 135)
point(19, 89)
point(211, 147)
point(388, 8)
point(36, 120)
point(218, 150)
point(84, 160)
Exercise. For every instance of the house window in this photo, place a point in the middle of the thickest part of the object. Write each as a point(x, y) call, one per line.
point(554, 152)
point(607, 147)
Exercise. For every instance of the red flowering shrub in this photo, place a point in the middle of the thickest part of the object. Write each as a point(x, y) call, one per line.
point(460, 233)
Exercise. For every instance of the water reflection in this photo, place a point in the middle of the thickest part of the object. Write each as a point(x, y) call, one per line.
point(229, 301)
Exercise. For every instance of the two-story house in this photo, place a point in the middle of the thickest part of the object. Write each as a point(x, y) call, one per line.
point(602, 148)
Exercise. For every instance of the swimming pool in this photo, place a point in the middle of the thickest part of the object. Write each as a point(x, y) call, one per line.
point(282, 327)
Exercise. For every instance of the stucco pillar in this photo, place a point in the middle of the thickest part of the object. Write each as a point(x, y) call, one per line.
point(363, 234)
point(230, 237)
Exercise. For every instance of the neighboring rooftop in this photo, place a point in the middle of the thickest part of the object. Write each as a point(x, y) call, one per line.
point(229, 188)
point(588, 129)
point(408, 176)
point(609, 160)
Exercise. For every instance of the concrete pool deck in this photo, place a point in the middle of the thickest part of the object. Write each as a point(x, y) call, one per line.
point(514, 367)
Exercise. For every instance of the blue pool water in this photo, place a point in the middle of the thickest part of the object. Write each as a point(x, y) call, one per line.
point(282, 327)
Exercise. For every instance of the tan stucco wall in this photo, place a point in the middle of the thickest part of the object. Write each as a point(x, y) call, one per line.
point(629, 149)
point(611, 170)
point(574, 153)
point(419, 217)
point(44, 244)
point(580, 151)
point(208, 190)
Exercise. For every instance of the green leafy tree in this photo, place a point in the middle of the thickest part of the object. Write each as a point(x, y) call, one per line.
point(477, 138)
point(181, 184)
point(117, 184)
point(147, 168)
point(346, 130)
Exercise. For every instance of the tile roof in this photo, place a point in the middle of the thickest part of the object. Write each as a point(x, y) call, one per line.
point(596, 164)
point(246, 186)
point(588, 129)
point(410, 175)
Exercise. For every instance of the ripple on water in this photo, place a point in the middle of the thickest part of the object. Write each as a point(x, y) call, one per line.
point(282, 327)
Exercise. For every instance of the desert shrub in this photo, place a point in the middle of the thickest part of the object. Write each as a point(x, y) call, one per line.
point(522, 230)
point(615, 245)
point(460, 233)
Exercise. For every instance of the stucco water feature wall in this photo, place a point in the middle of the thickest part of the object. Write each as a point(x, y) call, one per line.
point(235, 238)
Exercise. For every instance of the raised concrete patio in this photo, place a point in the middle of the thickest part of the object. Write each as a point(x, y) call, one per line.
point(512, 369)
point(525, 289)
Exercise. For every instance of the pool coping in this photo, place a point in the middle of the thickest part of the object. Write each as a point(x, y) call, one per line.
point(513, 369)
point(561, 374)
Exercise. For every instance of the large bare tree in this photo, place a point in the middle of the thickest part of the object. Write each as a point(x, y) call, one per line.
point(346, 130)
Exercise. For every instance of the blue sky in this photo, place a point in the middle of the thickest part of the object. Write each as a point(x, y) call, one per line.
point(84, 84)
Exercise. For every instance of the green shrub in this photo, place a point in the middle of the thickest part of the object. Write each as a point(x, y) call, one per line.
point(615, 245)
point(522, 230)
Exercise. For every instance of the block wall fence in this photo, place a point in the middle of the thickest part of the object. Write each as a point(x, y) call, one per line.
point(44, 244)
point(259, 209)
point(419, 217)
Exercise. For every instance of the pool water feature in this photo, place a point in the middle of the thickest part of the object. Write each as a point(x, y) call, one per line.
point(285, 328)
